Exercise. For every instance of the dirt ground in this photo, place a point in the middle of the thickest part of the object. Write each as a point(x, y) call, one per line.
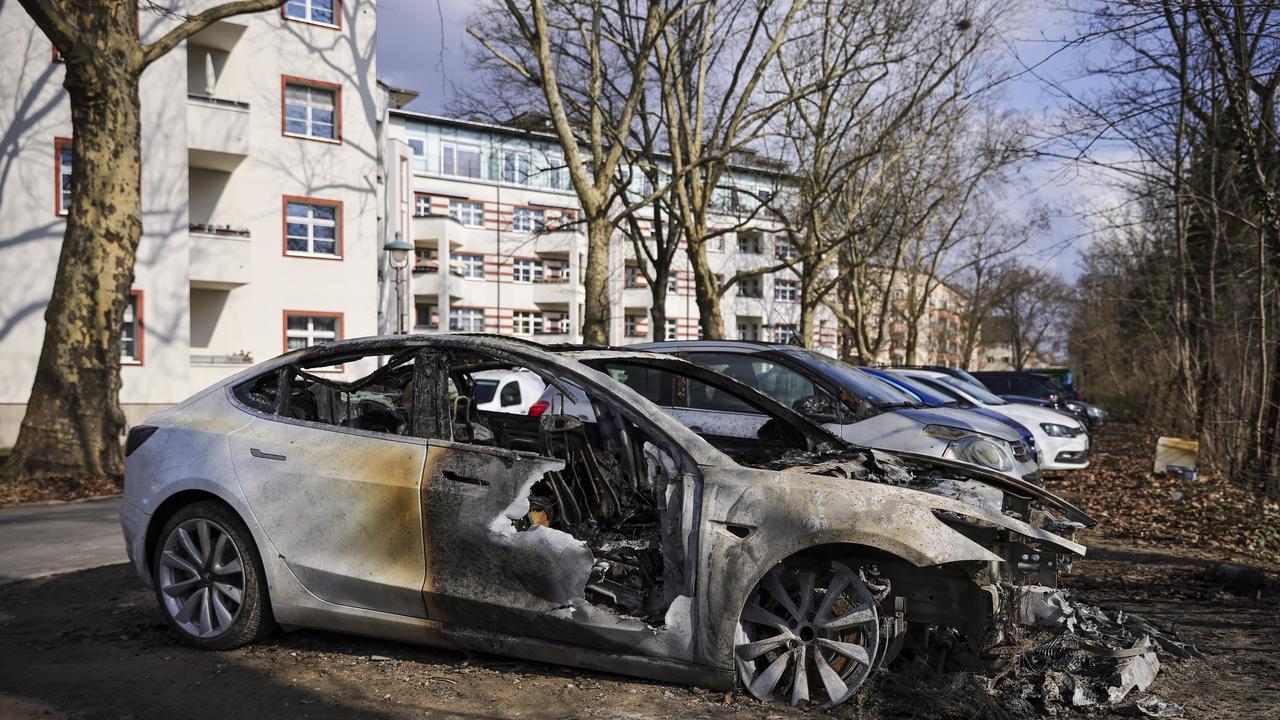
point(91, 644)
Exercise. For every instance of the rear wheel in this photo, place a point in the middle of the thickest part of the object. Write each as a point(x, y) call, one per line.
point(809, 632)
point(209, 580)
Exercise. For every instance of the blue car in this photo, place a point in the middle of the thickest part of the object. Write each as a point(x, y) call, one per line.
point(931, 398)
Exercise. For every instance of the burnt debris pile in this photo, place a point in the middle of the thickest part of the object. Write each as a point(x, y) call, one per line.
point(1075, 657)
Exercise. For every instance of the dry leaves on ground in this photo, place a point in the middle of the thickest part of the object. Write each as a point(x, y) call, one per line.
point(1130, 502)
point(68, 488)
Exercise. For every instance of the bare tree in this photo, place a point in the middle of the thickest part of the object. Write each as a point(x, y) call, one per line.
point(714, 63)
point(576, 53)
point(73, 420)
point(886, 80)
point(1032, 310)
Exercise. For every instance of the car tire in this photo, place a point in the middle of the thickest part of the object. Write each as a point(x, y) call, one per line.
point(208, 579)
point(809, 633)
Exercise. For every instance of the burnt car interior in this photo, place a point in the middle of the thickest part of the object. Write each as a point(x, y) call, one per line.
point(611, 494)
point(669, 385)
point(618, 492)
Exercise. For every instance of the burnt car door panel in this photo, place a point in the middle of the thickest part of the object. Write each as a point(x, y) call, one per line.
point(343, 450)
point(580, 542)
point(359, 542)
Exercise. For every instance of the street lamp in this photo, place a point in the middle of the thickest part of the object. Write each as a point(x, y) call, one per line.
point(398, 251)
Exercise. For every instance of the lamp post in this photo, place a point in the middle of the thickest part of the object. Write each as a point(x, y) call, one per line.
point(398, 254)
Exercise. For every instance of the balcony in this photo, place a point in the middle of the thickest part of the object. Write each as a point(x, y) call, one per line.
point(217, 132)
point(219, 257)
point(554, 290)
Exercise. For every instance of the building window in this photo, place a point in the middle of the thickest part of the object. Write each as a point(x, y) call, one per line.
point(312, 109)
point(669, 330)
point(633, 279)
point(528, 220)
point(303, 330)
point(673, 283)
point(784, 333)
point(321, 12)
point(469, 266)
point(786, 291)
point(633, 324)
point(131, 330)
point(421, 205)
point(467, 213)
point(749, 241)
point(568, 217)
point(526, 323)
point(312, 227)
point(423, 313)
point(555, 173)
point(784, 249)
point(461, 159)
point(526, 271)
point(466, 319)
point(63, 160)
point(748, 331)
point(515, 167)
point(749, 287)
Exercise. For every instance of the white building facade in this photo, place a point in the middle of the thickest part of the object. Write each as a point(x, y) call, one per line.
point(499, 246)
point(260, 194)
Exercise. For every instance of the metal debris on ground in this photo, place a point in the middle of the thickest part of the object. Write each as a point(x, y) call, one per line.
point(1082, 656)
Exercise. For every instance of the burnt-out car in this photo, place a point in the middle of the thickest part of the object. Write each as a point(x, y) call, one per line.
point(356, 487)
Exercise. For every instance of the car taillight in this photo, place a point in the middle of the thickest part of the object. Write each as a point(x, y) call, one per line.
point(536, 409)
point(138, 435)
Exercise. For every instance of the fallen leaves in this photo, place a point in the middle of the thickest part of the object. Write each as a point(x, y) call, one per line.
point(1130, 502)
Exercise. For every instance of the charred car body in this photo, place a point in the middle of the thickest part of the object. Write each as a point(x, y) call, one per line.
point(390, 506)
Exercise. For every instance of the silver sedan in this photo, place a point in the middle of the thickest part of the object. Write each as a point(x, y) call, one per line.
point(357, 487)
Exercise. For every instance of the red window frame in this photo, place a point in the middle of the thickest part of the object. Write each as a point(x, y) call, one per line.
point(284, 227)
point(421, 196)
point(58, 144)
point(337, 14)
point(140, 331)
point(287, 80)
point(284, 329)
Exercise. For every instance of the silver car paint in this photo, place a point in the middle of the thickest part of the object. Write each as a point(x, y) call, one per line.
point(330, 562)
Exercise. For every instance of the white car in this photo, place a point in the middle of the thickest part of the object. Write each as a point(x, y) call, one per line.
point(1062, 440)
point(506, 391)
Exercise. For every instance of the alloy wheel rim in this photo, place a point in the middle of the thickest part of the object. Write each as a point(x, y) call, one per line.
point(201, 578)
point(807, 635)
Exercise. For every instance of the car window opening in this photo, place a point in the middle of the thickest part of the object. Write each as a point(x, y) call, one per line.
point(612, 494)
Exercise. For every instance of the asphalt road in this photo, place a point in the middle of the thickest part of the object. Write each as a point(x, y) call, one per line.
point(40, 540)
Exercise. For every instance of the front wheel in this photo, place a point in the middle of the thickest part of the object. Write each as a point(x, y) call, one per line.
point(209, 580)
point(808, 633)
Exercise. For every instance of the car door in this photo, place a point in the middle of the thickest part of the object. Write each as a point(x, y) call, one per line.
point(490, 564)
point(340, 505)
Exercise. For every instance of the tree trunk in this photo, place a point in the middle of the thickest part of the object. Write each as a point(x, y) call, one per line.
point(595, 321)
point(705, 287)
point(658, 313)
point(73, 423)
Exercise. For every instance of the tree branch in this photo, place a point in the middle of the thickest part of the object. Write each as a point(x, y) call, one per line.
point(198, 22)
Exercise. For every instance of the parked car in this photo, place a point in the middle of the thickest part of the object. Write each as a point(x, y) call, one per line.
point(391, 505)
point(506, 391)
point(1032, 388)
point(858, 407)
point(934, 398)
point(1062, 439)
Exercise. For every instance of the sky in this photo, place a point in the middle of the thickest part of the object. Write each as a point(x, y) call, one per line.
point(423, 45)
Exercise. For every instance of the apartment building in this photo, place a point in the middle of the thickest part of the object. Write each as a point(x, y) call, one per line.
point(259, 194)
point(500, 247)
point(935, 308)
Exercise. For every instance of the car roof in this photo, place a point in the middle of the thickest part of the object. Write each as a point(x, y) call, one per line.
point(738, 345)
point(698, 449)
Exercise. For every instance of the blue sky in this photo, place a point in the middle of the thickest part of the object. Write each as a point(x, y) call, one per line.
point(423, 45)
